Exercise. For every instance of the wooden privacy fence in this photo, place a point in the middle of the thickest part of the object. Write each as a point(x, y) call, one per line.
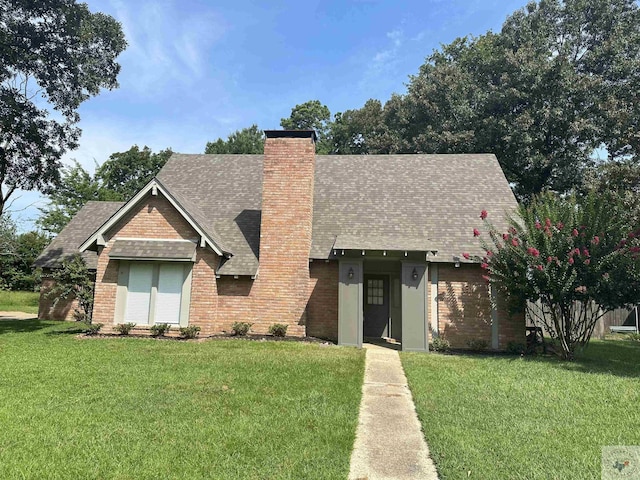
point(618, 317)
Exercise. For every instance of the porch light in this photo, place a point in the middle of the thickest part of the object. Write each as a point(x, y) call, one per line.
point(414, 274)
point(350, 273)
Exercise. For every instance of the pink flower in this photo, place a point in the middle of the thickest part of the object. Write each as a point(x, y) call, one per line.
point(484, 266)
point(514, 242)
point(559, 225)
point(634, 249)
point(587, 261)
point(576, 251)
point(486, 277)
point(574, 233)
point(533, 251)
point(466, 255)
point(596, 240)
point(489, 253)
point(632, 235)
point(540, 267)
point(549, 259)
point(538, 225)
point(476, 232)
point(483, 214)
point(505, 236)
point(547, 222)
point(512, 231)
point(585, 252)
point(571, 260)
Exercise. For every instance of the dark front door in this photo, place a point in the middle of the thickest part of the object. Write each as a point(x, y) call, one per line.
point(376, 305)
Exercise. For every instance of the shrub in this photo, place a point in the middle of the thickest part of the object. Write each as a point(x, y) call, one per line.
point(515, 348)
point(73, 280)
point(478, 344)
point(192, 331)
point(635, 337)
point(159, 329)
point(278, 330)
point(92, 328)
point(124, 328)
point(241, 328)
point(440, 344)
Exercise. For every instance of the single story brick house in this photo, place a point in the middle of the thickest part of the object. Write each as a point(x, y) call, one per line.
point(337, 247)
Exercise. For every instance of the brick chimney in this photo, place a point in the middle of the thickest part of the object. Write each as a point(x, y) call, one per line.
point(285, 228)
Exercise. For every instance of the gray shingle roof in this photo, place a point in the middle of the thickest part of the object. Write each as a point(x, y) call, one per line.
point(153, 249)
point(81, 226)
point(377, 201)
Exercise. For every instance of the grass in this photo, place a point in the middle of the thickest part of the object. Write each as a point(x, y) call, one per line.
point(131, 408)
point(19, 301)
point(527, 418)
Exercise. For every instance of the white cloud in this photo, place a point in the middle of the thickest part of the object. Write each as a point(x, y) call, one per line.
point(167, 44)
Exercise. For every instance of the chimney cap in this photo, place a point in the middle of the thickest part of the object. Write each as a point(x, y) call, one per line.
point(291, 134)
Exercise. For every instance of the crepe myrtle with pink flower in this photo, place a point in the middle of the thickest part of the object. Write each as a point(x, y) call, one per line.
point(567, 261)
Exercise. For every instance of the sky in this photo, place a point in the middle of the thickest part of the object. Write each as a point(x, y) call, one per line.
point(197, 70)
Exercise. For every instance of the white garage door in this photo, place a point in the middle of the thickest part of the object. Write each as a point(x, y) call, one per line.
point(169, 296)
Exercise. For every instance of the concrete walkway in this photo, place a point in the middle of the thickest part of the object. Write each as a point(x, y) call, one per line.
point(17, 316)
point(389, 442)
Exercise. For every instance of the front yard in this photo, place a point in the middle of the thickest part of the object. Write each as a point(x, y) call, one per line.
point(139, 408)
point(13, 301)
point(526, 418)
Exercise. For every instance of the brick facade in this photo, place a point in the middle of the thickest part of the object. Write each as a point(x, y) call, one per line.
point(64, 308)
point(322, 309)
point(464, 309)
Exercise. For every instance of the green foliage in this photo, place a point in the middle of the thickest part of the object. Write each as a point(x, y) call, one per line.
point(241, 328)
point(124, 328)
point(73, 280)
point(125, 173)
point(117, 179)
point(248, 141)
point(634, 337)
point(278, 329)
point(92, 328)
point(54, 55)
point(191, 331)
point(575, 257)
point(160, 329)
point(440, 344)
point(311, 115)
point(13, 301)
point(516, 348)
point(17, 254)
point(478, 344)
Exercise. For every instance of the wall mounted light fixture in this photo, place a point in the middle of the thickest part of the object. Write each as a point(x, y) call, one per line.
point(457, 261)
point(350, 274)
point(414, 274)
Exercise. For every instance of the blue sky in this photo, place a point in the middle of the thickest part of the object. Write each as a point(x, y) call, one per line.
point(196, 70)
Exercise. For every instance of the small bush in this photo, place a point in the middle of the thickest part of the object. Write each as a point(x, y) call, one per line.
point(515, 348)
point(241, 328)
point(92, 328)
point(278, 330)
point(159, 329)
point(124, 328)
point(440, 344)
point(192, 331)
point(635, 337)
point(478, 344)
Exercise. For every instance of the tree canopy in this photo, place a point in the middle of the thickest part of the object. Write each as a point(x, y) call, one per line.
point(55, 54)
point(311, 115)
point(248, 140)
point(117, 179)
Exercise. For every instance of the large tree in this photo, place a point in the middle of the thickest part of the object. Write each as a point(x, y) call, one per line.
point(312, 115)
point(560, 80)
point(248, 140)
point(55, 54)
point(119, 178)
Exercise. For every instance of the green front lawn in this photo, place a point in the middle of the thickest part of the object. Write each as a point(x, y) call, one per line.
point(19, 301)
point(142, 408)
point(527, 418)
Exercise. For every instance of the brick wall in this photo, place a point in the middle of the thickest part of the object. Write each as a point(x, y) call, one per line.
point(235, 302)
point(464, 308)
point(322, 308)
point(280, 291)
point(63, 310)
